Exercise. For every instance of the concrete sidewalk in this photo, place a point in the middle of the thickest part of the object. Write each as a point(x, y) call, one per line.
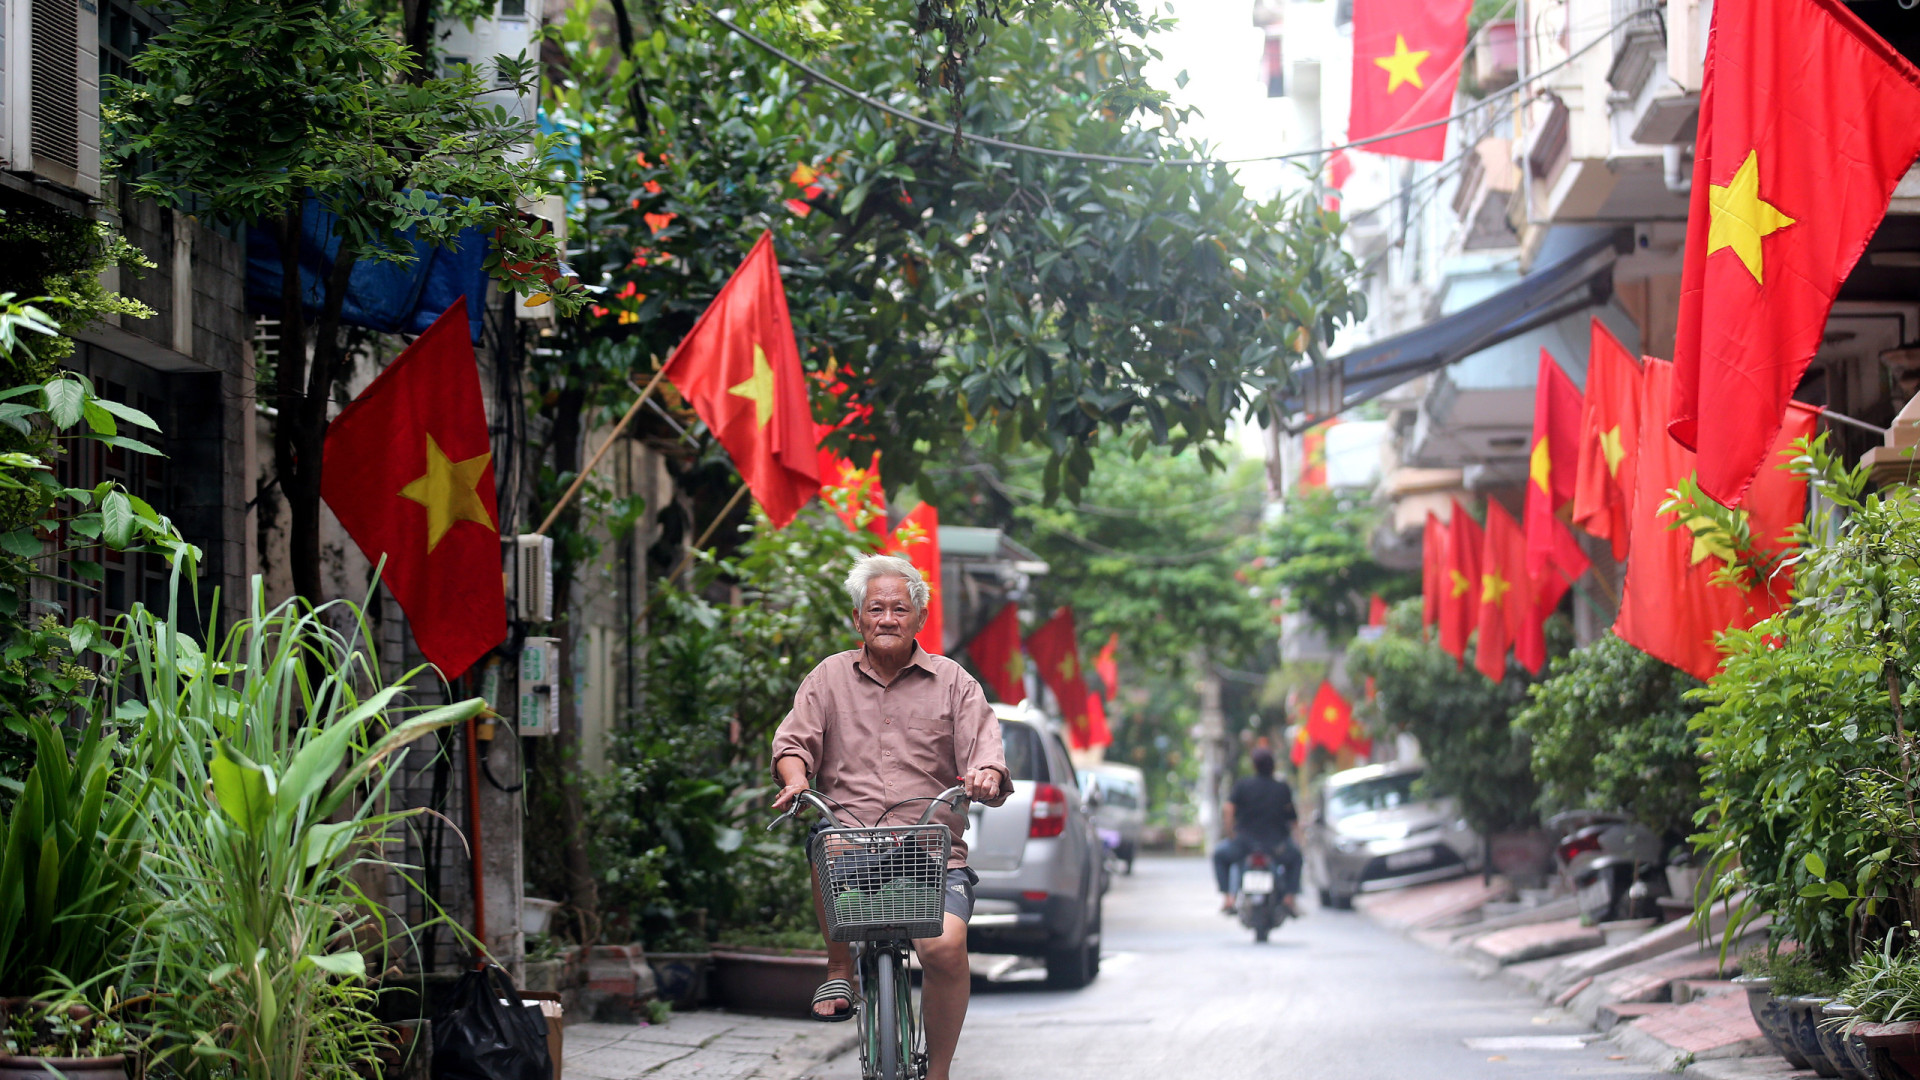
point(704, 1045)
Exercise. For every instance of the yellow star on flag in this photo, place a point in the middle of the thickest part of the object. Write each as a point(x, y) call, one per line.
point(1715, 544)
point(1493, 588)
point(1740, 218)
point(1404, 65)
point(1066, 667)
point(758, 388)
point(450, 490)
point(1461, 584)
point(1016, 667)
point(1612, 450)
point(1331, 713)
point(1540, 468)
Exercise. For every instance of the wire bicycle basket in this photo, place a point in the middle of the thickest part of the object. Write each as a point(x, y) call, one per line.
point(883, 883)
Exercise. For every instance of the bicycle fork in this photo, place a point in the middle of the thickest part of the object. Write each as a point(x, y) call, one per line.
point(890, 1045)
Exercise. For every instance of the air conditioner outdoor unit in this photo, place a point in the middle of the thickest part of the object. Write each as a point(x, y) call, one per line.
point(50, 92)
point(533, 578)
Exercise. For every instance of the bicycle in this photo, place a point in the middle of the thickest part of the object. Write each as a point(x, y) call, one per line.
point(881, 886)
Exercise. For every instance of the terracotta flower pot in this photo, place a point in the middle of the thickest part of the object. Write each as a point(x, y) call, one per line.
point(1895, 1047)
point(33, 1068)
point(767, 982)
point(1771, 1017)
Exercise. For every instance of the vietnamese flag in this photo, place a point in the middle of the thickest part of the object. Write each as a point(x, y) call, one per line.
point(1096, 731)
point(1807, 121)
point(995, 651)
point(1107, 665)
point(1551, 467)
point(408, 469)
point(740, 369)
point(1609, 441)
point(1055, 649)
point(917, 540)
point(1329, 718)
point(1460, 599)
point(1433, 569)
point(1406, 62)
point(1313, 455)
point(1506, 602)
point(1376, 610)
point(1670, 608)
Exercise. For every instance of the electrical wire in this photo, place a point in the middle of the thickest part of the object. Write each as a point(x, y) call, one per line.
point(824, 79)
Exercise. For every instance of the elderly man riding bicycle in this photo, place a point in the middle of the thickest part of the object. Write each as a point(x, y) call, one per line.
point(885, 729)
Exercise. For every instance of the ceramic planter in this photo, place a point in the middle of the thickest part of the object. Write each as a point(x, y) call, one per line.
point(1803, 1024)
point(32, 1068)
point(681, 977)
point(1843, 1046)
point(1895, 1048)
point(1771, 1016)
point(768, 982)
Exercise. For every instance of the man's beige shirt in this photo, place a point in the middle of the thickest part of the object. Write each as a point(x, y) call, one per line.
point(869, 744)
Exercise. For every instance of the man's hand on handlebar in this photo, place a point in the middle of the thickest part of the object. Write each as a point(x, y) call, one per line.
point(982, 784)
point(784, 800)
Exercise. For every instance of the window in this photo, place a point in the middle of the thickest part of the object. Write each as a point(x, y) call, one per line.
point(1025, 758)
point(1365, 796)
point(125, 29)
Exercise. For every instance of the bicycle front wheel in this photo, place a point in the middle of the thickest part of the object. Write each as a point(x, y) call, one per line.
point(886, 1018)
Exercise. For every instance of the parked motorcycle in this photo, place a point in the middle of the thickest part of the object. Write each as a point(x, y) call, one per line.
point(1260, 907)
point(1617, 868)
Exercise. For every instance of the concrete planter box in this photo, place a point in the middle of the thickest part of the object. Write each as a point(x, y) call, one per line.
point(768, 982)
point(682, 978)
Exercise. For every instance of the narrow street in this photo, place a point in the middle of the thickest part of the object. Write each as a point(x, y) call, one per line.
point(1183, 989)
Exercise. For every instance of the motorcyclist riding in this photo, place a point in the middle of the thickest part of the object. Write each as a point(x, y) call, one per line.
point(1260, 816)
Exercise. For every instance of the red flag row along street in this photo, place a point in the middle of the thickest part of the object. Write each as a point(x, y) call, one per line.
point(1502, 582)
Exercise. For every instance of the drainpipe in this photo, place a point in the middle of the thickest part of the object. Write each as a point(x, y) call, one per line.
point(1674, 164)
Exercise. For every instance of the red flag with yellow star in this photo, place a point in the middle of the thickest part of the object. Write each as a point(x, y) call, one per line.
point(995, 652)
point(1433, 569)
point(917, 540)
point(1609, 440)
point(1506, 599)
point(408, 469)
point(740, 369)
point(1551, 464)
point(1406, 62)
point(1807, 121)
point(1055, 649)
point(1329, 718)
point(1460, 595)
point(1670, 608)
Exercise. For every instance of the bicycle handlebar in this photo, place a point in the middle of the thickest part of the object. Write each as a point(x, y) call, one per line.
point(955, 796)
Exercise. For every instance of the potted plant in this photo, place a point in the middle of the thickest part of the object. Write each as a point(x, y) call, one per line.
point(61, 1037)
point(1883, 990)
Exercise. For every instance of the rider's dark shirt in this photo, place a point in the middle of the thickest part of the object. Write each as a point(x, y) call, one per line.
point(1263, 810)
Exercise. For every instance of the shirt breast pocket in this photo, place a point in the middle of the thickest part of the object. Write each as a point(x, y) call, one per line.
point(930, 746)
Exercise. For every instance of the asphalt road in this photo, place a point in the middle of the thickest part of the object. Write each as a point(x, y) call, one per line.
point(1185, 994)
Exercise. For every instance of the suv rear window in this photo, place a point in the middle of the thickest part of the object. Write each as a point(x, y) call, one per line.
point(1025, 759)
point(1379, 793)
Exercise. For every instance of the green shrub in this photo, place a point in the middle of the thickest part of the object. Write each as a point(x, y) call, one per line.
point(1609, 732)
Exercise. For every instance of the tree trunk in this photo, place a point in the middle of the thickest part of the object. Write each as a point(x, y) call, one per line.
point(583, 892)
point(301, 386)
point(416, 17)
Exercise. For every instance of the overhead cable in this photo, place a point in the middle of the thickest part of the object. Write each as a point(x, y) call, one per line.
point(1111, 159)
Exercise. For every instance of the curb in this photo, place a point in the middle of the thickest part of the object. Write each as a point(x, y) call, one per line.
point(813, 1053)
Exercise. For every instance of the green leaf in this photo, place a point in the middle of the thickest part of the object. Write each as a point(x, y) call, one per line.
point(65, 399)
point(348, 965)
point(1815, 865)
point(1837, 890)
point(21, 542)
point(128, 413)
point(243, 789)
point(99, 420)
point(116, 519)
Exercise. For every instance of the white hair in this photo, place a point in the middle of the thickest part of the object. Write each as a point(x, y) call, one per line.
point(868, 567)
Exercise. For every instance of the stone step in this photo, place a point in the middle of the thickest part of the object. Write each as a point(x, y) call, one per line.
point(1701, 1030)
point(1621, 1012)
point(1522, 943)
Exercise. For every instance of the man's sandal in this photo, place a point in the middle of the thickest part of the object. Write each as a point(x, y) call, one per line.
point(833, 990)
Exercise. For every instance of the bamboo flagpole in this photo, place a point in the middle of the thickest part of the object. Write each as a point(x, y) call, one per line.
point(587, 470)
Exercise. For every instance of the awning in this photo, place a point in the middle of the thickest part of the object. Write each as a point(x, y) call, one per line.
point(1583, 279)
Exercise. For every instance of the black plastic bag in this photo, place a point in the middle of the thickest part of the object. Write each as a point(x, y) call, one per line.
point(488, 1033)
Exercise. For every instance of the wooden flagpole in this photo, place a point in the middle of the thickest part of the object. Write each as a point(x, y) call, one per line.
point(574, 488)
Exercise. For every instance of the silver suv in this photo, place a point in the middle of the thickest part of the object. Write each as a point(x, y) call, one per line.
point(1040, 863)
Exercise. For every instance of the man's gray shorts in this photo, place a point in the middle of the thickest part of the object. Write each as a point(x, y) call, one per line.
point(959, 895)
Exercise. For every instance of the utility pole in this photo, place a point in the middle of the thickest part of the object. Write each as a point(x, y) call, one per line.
point(1213, 755)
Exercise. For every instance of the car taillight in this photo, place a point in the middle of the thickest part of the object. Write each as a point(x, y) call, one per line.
point(1049, 812)
point(1257, 861)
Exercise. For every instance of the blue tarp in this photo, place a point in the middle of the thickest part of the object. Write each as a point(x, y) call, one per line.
point(392, 298)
